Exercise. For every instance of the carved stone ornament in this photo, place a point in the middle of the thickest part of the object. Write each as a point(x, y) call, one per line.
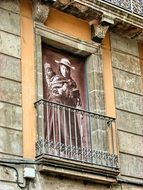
point(99, 32)
point(99, 28)
point(40, 12)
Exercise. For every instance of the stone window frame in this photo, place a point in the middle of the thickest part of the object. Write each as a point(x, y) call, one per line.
point(58, 40)
point(62, 41)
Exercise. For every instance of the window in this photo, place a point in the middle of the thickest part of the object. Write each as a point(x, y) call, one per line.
point(69, 135)
point(64, 89)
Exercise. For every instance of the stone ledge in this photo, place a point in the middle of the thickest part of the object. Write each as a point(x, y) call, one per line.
point(76, 170)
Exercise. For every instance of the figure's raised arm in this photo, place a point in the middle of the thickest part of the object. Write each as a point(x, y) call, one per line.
point(49, 73)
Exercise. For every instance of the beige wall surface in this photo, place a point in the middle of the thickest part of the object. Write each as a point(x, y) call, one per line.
point(10, 80)
point(28, 79)
point(11, 146)
point(69, 24)
point(129, 100)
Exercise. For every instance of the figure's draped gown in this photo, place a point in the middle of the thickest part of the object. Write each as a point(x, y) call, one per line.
point(63, 125)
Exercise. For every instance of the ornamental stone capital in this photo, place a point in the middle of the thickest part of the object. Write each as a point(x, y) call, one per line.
point(100, 27)
point(40, 11)
point(98, 33)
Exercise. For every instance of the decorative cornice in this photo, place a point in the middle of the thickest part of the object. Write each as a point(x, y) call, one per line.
point(119, 13)
point(125, 23)
point(40, 11)
point(94, 9)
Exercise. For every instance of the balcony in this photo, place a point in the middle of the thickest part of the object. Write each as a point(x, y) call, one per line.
point(75, 138)
point(132, 6)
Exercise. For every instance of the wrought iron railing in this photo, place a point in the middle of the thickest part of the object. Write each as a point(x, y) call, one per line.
point(74, 134)
point(133, 6)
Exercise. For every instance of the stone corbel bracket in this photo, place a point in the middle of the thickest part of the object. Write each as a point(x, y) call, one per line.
point(100, 27)
point(40, 11)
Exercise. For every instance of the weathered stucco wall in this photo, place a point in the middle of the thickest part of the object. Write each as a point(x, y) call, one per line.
point(10, 80)
point(129, 105)
point(10, 90)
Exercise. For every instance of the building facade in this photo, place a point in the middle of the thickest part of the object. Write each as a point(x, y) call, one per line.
point(71, 94)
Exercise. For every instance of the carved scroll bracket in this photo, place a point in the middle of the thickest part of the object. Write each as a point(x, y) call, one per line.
point(100, 27)
point(40, 11)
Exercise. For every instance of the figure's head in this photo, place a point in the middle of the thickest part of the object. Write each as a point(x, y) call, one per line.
point(65, 67)
point(48, 70)
point(65, 71)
